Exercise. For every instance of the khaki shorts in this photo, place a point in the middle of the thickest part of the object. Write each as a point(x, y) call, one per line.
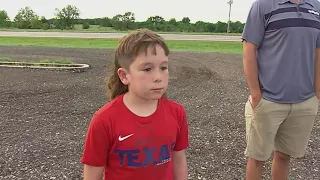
point(281, 127)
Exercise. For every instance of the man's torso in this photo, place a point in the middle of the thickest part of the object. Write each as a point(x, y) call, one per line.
point(287, 53)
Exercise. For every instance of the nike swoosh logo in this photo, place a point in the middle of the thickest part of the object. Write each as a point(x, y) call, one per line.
point(123, 138)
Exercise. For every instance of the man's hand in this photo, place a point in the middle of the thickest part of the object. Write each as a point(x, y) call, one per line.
point(318, 95)
point(255, 99)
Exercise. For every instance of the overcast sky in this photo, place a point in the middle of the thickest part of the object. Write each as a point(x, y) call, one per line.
point(205, 10)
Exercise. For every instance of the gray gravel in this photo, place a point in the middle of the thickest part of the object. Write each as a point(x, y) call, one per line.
point(45, 114)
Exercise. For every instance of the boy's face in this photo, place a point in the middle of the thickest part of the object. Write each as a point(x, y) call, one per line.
point(148, 75)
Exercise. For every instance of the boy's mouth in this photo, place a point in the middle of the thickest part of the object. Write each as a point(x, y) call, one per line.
point(156, 89)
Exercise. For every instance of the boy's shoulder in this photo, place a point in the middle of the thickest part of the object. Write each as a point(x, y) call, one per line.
point(173, 105)
point(172, 102)
point(110, 108)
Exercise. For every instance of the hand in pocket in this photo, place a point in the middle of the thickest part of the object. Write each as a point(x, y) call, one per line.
point(254, 100)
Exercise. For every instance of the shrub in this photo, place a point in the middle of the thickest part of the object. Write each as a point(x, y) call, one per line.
point(85, 26)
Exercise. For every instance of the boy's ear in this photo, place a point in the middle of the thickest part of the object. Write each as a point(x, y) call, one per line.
point(122, 73)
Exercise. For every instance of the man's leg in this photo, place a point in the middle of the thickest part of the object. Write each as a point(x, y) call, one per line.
point(254, 169)
point(280, 166)
point(262, 124)
point(293, 136)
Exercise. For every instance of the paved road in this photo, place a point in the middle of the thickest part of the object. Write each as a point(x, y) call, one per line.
point(118, 35)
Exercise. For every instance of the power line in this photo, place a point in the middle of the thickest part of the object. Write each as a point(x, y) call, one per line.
point(230, 2)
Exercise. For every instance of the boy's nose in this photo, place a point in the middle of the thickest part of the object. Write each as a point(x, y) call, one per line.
point(157, 76)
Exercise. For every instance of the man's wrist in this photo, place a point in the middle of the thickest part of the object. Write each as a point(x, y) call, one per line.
point(255, 93)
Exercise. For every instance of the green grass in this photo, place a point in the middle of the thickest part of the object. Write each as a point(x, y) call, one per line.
point(178, 45)
point(98, 29)
point(41, 61)
point(5, 59)
point(58, 62)
point(207, 46)
point(55, 61)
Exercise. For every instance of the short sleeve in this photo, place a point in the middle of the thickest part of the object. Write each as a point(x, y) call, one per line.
point(97, 143)
point(254, 27)
point(182, 140)
point(318, 41)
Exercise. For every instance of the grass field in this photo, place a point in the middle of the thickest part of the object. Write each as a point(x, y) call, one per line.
point(98, 29)
point(177, 45)
point(5, 59)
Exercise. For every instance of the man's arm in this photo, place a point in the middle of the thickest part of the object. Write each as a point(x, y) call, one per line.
point(317, 74)
point(92, 172)
point(251, 69)
point(252, 36)
point(180, 167)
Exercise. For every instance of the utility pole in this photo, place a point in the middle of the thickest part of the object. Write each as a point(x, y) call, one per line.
point(230, 2)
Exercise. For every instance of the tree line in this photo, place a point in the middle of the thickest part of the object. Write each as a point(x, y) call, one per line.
point(67, 17)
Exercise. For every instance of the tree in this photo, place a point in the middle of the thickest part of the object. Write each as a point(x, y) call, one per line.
point(200, 26)
point(173, 21)
point(123, 22)
point(155, 20)
point(236, 27)
point(67, 16)
point(129, 20)
point(105, 22)
point(117, 23)
point(27, 19)
point(186, 20)
point(221, 26)
point(4, 19)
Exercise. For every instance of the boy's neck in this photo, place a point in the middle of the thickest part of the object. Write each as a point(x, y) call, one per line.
point(140, 106)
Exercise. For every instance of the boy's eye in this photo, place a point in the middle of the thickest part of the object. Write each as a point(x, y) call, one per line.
point(147, 69)
point(164, 68)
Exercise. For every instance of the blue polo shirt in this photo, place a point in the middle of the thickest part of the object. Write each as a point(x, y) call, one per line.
point(287, 34)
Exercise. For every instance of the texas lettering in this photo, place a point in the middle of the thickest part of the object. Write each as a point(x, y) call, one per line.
point(151, 157)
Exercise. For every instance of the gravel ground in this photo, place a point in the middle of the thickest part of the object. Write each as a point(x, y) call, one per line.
point(45, 114)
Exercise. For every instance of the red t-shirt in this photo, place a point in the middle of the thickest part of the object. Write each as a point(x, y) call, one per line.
point(133, 147)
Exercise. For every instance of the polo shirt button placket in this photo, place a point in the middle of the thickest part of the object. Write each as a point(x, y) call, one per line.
point(299, 13)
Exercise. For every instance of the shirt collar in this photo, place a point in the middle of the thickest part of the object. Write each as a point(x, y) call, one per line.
point(283, 1)
point(310, 2)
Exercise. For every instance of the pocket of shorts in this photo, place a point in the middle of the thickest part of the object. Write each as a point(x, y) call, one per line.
point(258, 105)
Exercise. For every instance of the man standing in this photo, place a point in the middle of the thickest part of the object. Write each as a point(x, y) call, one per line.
point(281, 59)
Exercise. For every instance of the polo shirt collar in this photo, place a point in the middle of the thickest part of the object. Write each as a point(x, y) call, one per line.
point(310, 2)
point(283, 1)
point(303, 1)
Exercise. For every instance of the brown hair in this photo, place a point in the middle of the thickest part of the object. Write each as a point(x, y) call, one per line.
point(129, 47)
